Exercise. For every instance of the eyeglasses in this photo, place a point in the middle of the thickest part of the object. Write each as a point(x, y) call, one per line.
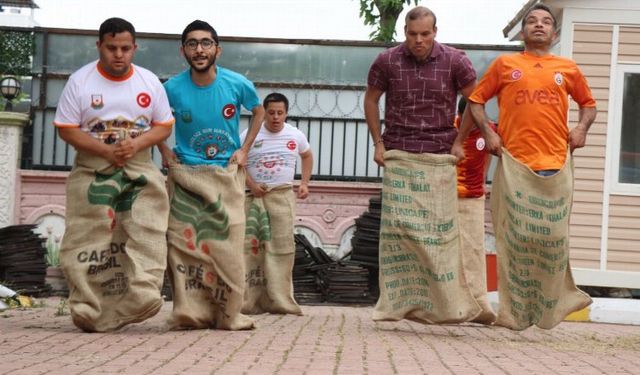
point(192, 44)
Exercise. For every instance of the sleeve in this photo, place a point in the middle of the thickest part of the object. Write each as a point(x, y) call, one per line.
point(303, 143)
point(249, 95)
point(378, 76)
point(465, 74)
point(580, 90)
point(487, 88)
point(68, 113)
point(162, 115)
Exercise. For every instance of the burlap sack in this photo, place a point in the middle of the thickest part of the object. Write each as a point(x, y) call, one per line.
point(269, 253)
point(114, 248)
point(421, 273)
point(206, 233)
point(531, 221)
point(471, 224)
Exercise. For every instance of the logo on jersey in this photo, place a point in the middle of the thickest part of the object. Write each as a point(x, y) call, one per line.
point(258, 144)
point(538, 65)
point(143, 99)
point(516, 74)
point(480, 144)
point(186, 116)
point(228, 111)
point(96, 101)
point(557, 77)
point(291, 145)
point(211, 151)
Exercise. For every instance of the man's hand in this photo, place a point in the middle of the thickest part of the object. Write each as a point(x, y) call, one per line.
point(493, 143)
point(240, 157)
point(126, 149)
point(168, 156)
point(577, 137)
point(457, 150)
point(258, 190)
point(303, 191)
point(111, 156)
point(378, 155)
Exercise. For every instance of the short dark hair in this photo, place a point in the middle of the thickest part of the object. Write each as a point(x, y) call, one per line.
point(539, 6)
point(199, 25)
point(115, 26)
point(462, 104)
point(419, 12)
point(276, 97)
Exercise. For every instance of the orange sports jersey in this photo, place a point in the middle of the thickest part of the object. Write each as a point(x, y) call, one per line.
point(472, 168)
point(533, 101)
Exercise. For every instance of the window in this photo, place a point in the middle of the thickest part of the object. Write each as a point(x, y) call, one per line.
point(626, 132)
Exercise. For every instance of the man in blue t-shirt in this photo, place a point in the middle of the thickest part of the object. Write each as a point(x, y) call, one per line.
point(206, 185)
point(206, 102)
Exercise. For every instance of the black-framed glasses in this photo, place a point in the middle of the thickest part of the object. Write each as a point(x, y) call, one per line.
point(192, 44)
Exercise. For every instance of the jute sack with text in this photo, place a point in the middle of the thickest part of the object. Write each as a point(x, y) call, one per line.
point(531, 221)
point(474, 260)
point(269, 253)
point(114, 248)
point(421, 273)
point(206, 233)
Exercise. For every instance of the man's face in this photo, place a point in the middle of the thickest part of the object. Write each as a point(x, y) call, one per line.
point(538, 28)
point(116, 53)
point(200, 50)
point(275, 115)
point(420, 34)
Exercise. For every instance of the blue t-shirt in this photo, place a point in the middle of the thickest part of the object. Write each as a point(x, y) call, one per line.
point(207, 118)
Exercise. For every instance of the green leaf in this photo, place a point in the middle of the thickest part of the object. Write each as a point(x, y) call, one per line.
point(258, 223)
point(209, 220)
point(116, 190)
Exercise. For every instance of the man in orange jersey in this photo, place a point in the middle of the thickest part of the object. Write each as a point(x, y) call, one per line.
point(471, 171)
point(532, 188)
point(532, 88)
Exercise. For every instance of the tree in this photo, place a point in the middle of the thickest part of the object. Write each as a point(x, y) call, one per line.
point(383, 14)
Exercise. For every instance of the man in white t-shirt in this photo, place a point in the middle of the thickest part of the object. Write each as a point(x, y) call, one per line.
point(270, 210)
point(114, 247)
point(273, 156)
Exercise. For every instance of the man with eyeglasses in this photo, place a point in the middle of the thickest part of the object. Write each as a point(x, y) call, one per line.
point(206, 184)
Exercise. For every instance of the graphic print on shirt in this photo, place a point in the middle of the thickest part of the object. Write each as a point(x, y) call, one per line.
point(211, 142)
point(110, 131)
point(96, 101)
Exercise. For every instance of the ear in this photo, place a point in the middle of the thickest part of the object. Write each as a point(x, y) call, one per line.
point(435, 31)
point(218, 51)
point(181, 49)
point(98, 44)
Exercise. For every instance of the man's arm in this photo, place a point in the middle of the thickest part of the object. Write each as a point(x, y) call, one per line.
point(258, 190)
point(492, 140)
point(372, 116)
point(466, 124)
point(85, 143)
point(306, 159)
point(578, 135)
point(240, 156)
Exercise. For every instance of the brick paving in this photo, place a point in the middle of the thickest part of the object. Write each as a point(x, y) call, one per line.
point(326, 340)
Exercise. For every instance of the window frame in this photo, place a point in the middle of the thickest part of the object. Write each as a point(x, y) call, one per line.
point(617, 187)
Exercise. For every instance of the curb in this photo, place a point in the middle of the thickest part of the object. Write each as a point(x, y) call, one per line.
point(602, 310)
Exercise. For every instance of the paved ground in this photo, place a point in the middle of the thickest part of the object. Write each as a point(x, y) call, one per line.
point(326, 340)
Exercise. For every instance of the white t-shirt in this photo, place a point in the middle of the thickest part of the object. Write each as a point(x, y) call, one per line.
point(104, 106)
point(272, 157)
